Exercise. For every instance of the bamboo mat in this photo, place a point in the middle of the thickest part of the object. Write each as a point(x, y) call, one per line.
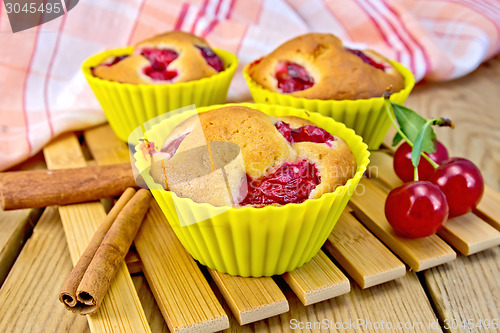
point(361, 265)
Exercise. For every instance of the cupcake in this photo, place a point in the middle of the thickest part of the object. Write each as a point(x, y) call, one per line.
point(157, 75)
point(252, 189)
point(316, 72)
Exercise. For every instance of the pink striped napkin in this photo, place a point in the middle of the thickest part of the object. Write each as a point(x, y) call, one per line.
point(43, 92)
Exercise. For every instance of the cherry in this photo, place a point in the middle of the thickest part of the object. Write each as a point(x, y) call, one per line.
point(308, 133)
point(285, 130)
point(365, 58)
point(461, 182)
point(416, 209)
point(212, 59)
point(160, 59)
point(292, 77)
point(404, 168)
point(292, 182)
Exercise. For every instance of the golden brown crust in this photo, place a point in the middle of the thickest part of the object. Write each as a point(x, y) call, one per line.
point(190, 64)
point(337, 73)
point(262, 149)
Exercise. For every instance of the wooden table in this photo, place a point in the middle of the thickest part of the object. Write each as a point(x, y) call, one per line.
point(34, 256)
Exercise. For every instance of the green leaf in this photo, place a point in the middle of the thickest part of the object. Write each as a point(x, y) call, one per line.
point(411, 124)
point(397, 139)
point(416, 151)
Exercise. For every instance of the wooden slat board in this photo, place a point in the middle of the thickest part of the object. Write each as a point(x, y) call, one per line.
point(106, 149)
point(250, 299)
point(417, 260)
point(420, 253)
point(361, 254)
point(318, 280)
point(489, 207)
point(467, 233)
point(121, 309)
point(28, 297)
point(466, 291)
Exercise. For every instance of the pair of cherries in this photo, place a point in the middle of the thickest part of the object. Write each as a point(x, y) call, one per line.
point(419, 208)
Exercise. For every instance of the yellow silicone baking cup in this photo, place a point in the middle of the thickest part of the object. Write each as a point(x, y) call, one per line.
point(251, 241)
point(128, 106)
point(367, 117)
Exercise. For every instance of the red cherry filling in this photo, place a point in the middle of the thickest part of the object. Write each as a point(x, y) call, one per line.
point(308, 133)
point(291, 183)
point(172, 146)
point(365, 58)
point(292, 77)
point(159, 59)
point(212, 59)
point(147, 148)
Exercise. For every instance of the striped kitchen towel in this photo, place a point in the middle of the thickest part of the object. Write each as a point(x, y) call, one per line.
point(43, 93)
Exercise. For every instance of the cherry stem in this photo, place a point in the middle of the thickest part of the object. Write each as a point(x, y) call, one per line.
point(388, 108)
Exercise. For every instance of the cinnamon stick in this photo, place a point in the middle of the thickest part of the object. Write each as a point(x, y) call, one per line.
point(89, 281)
point(42, 188)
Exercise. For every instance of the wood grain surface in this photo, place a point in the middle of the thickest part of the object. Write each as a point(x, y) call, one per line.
point(466, 292)
point(16, 226)
point(467, 287)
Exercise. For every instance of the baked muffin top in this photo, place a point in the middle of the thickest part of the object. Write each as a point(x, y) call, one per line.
point(170, 57)
point(318, 66)
point(238, 156)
